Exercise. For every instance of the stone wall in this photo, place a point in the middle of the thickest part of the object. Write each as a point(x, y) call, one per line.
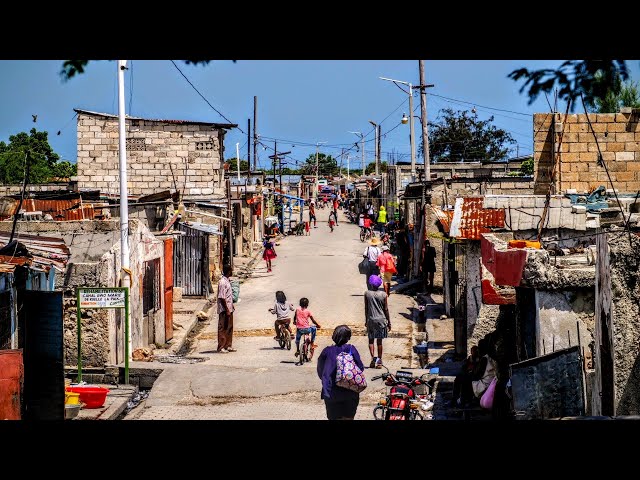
point(194, 152)
point(618, 314)
point(472, 285)
point(577, 167)
point(42, 187)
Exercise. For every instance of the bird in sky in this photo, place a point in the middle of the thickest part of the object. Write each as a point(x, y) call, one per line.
point(35, 117)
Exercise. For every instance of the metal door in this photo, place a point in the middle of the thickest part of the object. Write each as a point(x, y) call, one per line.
point(168, 289)
point(190, 261)
point(11, 377)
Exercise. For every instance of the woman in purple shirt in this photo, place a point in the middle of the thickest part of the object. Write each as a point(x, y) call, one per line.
point(341, 403)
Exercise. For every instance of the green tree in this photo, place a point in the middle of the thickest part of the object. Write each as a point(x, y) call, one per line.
point(461, 136)
point(527, 166)
point(593, 79)
point(372, 168)
point(233, 165)
point(64, 169)
point(627, 96)
point(327, 165)
point(12, 158)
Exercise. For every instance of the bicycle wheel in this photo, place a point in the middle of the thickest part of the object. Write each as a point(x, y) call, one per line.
point(287, 340)
point(310, 351)
point(379, 412)
point(362, 235)
point(281, 340)
point(303, 352)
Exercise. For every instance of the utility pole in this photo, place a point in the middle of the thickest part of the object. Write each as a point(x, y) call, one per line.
point(348, 173)
point(275, 157)
point(363, 157)
point(249, 146)
point(315, 190)
point(413, 135)
point(379, 142)
point(255, 135)
point(423, 116)
point(238, 158)
point(124, 207)
point(375, 148)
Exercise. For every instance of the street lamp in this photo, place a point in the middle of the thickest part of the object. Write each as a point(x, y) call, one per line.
point(362, 139)
point(405, 120)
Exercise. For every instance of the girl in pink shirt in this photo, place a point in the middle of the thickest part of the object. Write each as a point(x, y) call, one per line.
point(303, 326)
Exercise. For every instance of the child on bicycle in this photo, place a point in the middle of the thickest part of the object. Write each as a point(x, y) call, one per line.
point(281, 309)
point(302, 317)
point(368, 226)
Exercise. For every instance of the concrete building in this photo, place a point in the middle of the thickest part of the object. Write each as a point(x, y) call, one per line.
point(94, 261)
point(566, 151)
point(181, 155)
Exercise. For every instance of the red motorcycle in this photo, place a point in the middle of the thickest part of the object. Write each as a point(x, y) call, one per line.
point(401, 402)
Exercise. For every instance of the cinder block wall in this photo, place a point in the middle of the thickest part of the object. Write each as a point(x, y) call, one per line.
point(618, 135)
point(193, 151)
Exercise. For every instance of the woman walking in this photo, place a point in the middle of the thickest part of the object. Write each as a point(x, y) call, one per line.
point(341, 403)
point(269, 252)
point(377, 321)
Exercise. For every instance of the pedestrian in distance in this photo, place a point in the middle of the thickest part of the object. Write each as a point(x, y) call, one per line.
point(387, 266)
point(312, 213)
point(269, 252)
point(340, 403)
point(332, 220)
point(335, 210)
point(377, 319)
point(428, 266)
point(382, 219)
point(371, 254)
point(225, 312)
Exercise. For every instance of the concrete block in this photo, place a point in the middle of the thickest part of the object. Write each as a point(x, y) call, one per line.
point(528, 202)
point(625, 137)
point(555, 202)
point(554, 217)
point(581, 209)
point(592, 223)
point(624, 156)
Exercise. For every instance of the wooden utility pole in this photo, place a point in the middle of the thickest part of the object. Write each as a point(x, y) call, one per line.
point(423, 116)
point(255, 135)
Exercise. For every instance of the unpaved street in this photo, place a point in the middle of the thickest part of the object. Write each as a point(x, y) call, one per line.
point(261, 381)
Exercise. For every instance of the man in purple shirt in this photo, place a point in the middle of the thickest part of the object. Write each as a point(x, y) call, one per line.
point(225, 311)
point(341, 403)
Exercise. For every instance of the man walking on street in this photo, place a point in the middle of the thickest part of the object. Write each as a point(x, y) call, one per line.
point(335, 209)
point(312, 213)
point(225, 312)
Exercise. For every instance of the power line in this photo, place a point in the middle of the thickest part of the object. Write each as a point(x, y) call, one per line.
point(482, 106)
point(203, 97)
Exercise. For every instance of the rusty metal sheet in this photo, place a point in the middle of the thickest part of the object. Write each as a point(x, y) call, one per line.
point(470, 219)
point(11, 379)
point(444, 216)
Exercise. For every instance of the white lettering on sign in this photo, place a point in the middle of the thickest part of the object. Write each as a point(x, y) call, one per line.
point(102, 298)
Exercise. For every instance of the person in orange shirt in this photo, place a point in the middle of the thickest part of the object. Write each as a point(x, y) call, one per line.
point(387, 267)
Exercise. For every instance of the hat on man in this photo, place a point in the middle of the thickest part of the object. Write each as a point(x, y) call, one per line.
point(374, 241)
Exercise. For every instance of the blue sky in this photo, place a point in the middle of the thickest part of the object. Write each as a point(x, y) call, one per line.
point(299, 101)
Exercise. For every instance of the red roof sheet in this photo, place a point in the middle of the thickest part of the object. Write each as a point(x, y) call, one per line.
point(470, 219)
point(444, 216)
point(59, 209)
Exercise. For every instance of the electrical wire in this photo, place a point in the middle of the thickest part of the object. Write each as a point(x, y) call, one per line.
point(203, 97)
point(481, 106)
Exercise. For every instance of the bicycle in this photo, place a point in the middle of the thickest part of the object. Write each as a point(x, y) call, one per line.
point(306, 349)
point(284, 337)
point(366, 234)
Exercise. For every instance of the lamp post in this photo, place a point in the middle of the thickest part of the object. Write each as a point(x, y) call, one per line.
point(363, 154)
point(405, 120)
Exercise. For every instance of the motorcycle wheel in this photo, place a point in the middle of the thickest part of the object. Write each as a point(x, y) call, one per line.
point(416, 416)
point(379, 412)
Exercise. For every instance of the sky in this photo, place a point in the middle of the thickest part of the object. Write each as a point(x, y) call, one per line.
point(300, 102)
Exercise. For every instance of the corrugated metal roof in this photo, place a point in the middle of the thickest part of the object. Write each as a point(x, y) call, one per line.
point(204, 227)
point(61, 210)
point(45, 251)
point(444, 216)
point(177, 122)
point(470, 219)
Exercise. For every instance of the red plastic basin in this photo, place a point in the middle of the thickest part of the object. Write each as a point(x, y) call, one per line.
point(92, 397)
